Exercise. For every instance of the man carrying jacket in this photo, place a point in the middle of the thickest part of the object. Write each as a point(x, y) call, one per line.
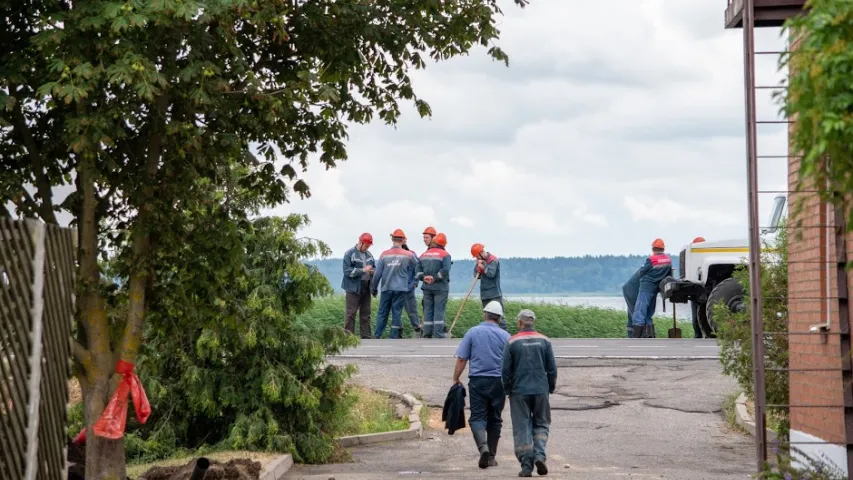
point(411, 301)
point(489, 269)
point(358, 269)
point(434, 271)
point(657, 267)
point(529, 376)
point(394, 272)
point(483, 347)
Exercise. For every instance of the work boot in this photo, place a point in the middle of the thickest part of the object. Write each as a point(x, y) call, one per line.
point(418, 333)
point(541, 467)
point(482, 447)
point(493, 449)
point(648, 331)
point(525, 472)
point(638, 331)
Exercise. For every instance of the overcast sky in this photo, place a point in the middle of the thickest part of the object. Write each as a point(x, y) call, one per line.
point(616, 122)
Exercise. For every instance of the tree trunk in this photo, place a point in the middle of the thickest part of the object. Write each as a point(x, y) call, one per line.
point(104, 457)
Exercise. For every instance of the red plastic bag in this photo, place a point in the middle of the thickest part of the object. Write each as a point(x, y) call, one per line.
point(112, 422)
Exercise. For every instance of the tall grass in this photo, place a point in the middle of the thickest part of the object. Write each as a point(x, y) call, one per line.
point(556, 321)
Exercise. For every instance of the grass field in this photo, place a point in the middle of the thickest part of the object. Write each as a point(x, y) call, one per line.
point(556, 321)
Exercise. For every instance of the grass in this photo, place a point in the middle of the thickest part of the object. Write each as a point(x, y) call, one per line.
point(730, 413)
point(556, 321)
point(372, 413)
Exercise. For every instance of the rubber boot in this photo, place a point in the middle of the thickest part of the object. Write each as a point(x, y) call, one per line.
point(482, 447)
point(493, 448)
point(638, 331)
point(648, 331)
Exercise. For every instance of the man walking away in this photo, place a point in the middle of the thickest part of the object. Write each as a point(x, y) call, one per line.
point(489, 269)
point(483, 346)
point(529, 375)
point(657, 267)
point(434, 271)
point(394, 272)
point(359, 266)
point(412, 302)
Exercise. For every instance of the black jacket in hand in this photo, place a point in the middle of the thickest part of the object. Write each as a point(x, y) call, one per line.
point(453, 414)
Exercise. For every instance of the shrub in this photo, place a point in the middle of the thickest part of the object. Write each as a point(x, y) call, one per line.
point(247, 378)
point(734, 329)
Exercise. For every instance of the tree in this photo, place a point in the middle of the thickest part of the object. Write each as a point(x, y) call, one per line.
point(146, 107)
point(243, 374)
point(819, 97)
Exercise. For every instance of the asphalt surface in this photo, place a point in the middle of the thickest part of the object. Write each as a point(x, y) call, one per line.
point(611, 418)
point(616, 348)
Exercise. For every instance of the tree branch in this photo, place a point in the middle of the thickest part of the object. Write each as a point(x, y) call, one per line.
point(132, 336)
point(81, 354)
point(43, 187)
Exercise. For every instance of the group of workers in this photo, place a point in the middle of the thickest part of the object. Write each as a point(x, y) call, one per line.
point(640, 291)
point(397, 273)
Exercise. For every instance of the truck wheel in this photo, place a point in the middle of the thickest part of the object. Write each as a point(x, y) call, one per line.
point(730, 293)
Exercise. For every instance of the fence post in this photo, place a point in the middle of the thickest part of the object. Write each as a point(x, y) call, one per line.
point(36, 231)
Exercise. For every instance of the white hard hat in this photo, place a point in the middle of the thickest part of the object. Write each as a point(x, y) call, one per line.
point(494, 307)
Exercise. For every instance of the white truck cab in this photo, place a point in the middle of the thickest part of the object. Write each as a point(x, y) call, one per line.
point(706, 269)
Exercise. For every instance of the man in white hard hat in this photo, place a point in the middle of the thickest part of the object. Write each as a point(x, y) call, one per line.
point(483, 346)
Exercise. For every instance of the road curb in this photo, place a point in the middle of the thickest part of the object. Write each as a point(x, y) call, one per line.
point(415, 429)
point(275, 469)
point(746, 421)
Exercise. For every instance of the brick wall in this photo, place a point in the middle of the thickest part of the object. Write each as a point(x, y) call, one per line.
point(812, 287)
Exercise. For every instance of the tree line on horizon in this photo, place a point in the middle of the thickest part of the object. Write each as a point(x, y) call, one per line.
point(589, 274)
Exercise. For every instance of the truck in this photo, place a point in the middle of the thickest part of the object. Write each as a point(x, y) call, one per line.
point(705, 273)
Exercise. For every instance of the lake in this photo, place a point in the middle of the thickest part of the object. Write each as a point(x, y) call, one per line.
point(611, 302)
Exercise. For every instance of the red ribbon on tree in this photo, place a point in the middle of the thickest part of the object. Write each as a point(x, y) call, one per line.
point(112, 422)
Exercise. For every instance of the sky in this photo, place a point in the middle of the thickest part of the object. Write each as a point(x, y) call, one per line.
point(616, 122)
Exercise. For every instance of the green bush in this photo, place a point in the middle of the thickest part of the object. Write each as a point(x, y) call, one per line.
point(238, 373)
point(557, 321)
point(734, 330)
point(784, 469)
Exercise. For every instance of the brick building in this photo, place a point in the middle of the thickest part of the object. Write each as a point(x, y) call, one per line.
point(812, 292)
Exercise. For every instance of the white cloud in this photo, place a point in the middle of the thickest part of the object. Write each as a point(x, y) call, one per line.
point(462, 221)
point(534, 222)
point(598, 138)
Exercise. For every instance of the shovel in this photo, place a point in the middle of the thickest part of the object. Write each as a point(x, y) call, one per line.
point(476, 277)
point(673, 332)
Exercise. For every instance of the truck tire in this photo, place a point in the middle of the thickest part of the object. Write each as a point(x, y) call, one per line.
point(730, 293)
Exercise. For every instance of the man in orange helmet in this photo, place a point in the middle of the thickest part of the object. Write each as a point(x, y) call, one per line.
point(394, 273)
point(657, 267)
point(489, 269)
point(358, 269)
point(429, 236)
point(434, 271)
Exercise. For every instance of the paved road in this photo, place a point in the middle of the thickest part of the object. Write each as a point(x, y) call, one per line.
point(616, 348)
point(611, 419)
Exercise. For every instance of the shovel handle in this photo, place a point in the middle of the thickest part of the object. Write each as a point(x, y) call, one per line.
point(449, 332)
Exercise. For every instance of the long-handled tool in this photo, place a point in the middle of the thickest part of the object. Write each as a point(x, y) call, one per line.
point(476, 277)
point(673, 332)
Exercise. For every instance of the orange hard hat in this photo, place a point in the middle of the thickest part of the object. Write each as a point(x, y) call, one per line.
point(658, 243)
point(698, 240)
point(477, 249)
point(441, 240)
point(429, 231)
point(398, 234)
point(366, 238)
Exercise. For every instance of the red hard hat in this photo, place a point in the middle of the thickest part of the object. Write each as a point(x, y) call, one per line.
point(366, 238)
point(477, 249)
point(398, 234)
point(658, 243)
point(429, 231)
point(441, 240)
point(698, 240)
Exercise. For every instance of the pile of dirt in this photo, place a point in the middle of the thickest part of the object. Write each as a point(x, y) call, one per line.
point(237, 469)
